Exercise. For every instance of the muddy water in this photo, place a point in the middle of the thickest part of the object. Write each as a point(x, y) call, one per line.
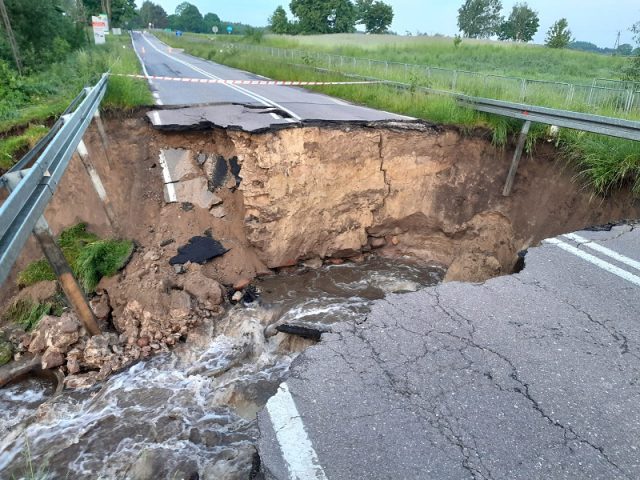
point(191, 413)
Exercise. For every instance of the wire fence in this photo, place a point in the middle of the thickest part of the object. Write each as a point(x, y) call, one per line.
point(602, 96)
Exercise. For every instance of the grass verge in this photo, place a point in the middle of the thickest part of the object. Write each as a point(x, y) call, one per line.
point(604, 163)
point(45, 95)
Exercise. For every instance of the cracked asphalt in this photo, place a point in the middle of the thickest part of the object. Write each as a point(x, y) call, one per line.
point(528, 376)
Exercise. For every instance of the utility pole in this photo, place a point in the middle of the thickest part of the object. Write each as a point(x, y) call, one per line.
point(615, 47)
point(10, 36)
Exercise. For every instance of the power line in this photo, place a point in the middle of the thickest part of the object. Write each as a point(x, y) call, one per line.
point(10, 36)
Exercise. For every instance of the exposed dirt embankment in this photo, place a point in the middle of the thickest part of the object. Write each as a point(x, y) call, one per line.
point(432, 193)
point(295, 195)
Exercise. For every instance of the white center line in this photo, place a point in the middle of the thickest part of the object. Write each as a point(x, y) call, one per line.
point(297, 450)
point(168, 182)
point(265, 101)
point(604, 250)
point(630, 277)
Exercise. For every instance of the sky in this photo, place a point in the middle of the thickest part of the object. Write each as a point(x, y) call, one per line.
point(595, 21)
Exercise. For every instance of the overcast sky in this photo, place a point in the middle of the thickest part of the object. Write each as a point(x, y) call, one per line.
point(596, 21)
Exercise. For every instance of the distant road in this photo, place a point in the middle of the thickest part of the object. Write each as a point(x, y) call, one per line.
point(158, 59)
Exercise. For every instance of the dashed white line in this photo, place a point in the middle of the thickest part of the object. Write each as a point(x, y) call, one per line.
point(630, 277)
point(604, 250)
point(297, 450)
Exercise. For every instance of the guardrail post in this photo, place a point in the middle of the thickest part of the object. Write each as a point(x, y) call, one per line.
point(516, 159)
point(103, 135)
point(63, 271)
point(98, 186)
point(523, 90)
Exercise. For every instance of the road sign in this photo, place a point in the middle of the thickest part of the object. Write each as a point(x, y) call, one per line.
point(214, 29)
point(229, 29)
point(99, 30)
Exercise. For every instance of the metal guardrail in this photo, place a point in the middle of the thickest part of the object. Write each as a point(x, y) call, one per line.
point(32, 189)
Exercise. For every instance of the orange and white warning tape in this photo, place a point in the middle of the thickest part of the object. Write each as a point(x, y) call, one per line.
point(242, 82)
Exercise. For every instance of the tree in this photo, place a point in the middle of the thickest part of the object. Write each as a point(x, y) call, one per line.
point(189, 18)
point(632, 70)
point(559, 35)
point(480, 18)
point(278, 22)
point(625, 49)
point(324, 16)
point(150, 13)
point(43, 31)
point(522, 24)
point(209, 21)
point(376, 16)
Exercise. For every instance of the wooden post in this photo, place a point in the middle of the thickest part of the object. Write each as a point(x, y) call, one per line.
point(68, 282)
point(103, 136)
point(516, 159)
point(98, 186)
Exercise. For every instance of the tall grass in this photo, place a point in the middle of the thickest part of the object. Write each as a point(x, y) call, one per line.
point(47, 93)
point(90, 257)
point(604, 163)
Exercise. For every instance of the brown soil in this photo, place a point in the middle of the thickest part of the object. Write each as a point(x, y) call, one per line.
point(318, 193)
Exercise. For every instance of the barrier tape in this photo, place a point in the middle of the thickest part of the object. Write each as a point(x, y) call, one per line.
point(242, 82)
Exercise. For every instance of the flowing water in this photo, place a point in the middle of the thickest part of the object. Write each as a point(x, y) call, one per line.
point(189, 414)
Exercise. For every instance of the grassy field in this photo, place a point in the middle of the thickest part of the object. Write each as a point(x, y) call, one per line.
point(28, 103)
point(502, 58)
point(604, 163)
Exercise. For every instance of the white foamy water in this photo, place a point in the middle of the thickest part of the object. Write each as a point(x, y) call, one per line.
point(191, 411)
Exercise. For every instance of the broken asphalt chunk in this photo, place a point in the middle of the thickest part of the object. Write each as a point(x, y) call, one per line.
point(199, 250)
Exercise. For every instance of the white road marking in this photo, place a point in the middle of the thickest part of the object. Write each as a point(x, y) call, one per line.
point(297, 450)
point(265, 101)
point(630, 277)
point(604, 250)
point(168, 182)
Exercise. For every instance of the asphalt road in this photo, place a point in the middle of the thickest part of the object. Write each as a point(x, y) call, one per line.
point(528, 376)
point(282, 104)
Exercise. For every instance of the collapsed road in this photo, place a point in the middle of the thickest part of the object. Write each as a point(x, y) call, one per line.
point(522, 376)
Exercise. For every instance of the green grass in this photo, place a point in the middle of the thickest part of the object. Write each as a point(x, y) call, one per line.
point(11, 147)
point(28, 313)
point(45, 95)
point(604, 163)
point(90, 257)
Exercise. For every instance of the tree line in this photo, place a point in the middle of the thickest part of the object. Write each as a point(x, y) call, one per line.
point(332, 16)
point(45, 31)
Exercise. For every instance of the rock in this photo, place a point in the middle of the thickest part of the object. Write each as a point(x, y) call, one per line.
point(151, 256)
point(83, 380)
point(201, 158)
point(128, 322)
point(167, 242)
point(313, 263)
point(203, 288)
point(395, 241)
point(218, 212)
point(336, 261)
point(242, 284)
point(180, 304)
point(6, 351)
point(236, 297)
point(357, 259)
point(73, 366)
point(143, 341)
point(377, 242)
point(52, 358)
point(57, 332)
point(101, 307)
point(179, 269)
point(97, 351)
